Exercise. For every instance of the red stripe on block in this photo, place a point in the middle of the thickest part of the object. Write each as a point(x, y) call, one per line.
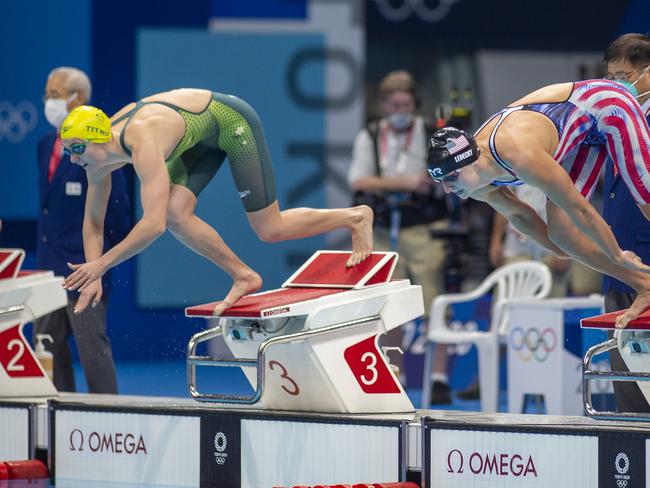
point(606, 321)
point(382, 275)
point(12, 268)
point(330, 269)
point(252, 305)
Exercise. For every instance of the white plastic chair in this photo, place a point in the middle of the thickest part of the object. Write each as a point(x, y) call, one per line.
point(520, 280)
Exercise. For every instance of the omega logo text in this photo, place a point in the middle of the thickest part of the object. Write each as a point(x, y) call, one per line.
point(275, 311)
point(501, 464)
point(107, 442)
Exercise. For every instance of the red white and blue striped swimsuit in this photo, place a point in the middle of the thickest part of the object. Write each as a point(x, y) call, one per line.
point(601, 118)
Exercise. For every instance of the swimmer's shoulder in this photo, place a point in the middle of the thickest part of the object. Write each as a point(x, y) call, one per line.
point(556, 93)
point(123, 111)
point(191, 99)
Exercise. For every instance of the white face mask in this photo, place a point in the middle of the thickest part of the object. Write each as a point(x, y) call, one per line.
point(56, 110)
point(400, 120)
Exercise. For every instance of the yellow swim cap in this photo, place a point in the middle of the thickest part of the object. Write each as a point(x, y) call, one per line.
point(88, 123)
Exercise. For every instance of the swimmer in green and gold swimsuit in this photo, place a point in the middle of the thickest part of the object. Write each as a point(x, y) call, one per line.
point(228, 126)
point(177, 141)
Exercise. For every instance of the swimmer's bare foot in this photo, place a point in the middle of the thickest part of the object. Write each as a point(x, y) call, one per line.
point(640, 305)
point(249, 282)
point(361, 231)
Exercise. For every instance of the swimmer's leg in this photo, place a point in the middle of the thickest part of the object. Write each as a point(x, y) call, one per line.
point(204, 240)
point(273, 225)
point(241, 136)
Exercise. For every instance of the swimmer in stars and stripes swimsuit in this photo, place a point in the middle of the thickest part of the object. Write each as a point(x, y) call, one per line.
point(600, 118)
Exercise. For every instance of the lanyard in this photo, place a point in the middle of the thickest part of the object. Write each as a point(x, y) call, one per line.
point(383, 139)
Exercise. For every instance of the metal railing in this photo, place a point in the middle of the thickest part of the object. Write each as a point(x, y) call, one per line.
point(589, 375)
point(193, 361)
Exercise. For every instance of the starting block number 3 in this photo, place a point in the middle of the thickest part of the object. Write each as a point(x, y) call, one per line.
point(289, 385)
point(366, 363)
point(369, 367)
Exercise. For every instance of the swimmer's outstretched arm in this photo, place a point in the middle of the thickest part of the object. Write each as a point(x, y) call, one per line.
point(521, 215)
point(536, 167)
point(149, 163)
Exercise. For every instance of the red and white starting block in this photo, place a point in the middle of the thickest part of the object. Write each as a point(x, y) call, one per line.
point(633, 344)
point(312, 345)
point(24, 296)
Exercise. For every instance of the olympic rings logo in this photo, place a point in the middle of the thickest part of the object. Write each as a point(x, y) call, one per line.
point(532, 343)
point(622, 465)
point(17, 121)
point(405, 8)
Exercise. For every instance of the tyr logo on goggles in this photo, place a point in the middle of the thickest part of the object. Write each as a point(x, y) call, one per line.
point(435, 175)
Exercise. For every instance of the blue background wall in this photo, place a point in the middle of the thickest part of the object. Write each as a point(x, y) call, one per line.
point(266, 9)
point(31, 48)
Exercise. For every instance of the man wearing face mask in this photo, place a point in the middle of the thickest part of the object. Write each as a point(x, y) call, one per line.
point(62, 194)
point(628, 62)
point(388, 172)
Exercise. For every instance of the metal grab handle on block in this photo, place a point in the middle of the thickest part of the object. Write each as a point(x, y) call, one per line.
point(193, 361)
point(589, 375)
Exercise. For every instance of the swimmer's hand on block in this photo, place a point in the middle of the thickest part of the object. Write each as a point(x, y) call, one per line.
point(629, 318)
point(640, 305)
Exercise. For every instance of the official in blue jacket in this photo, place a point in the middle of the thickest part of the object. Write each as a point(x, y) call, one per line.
point(62, 194)
point(627, 58)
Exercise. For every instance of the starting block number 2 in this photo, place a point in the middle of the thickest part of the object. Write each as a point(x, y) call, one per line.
point(15, 355)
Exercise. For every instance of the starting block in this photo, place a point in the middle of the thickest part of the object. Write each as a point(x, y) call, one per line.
point(633, 343)
point(312, 345)
point(24, 296)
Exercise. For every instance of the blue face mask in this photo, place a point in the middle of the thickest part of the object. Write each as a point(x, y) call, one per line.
point(400, 120)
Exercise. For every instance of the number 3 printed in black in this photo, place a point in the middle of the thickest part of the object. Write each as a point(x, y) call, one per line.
point(293, 390)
